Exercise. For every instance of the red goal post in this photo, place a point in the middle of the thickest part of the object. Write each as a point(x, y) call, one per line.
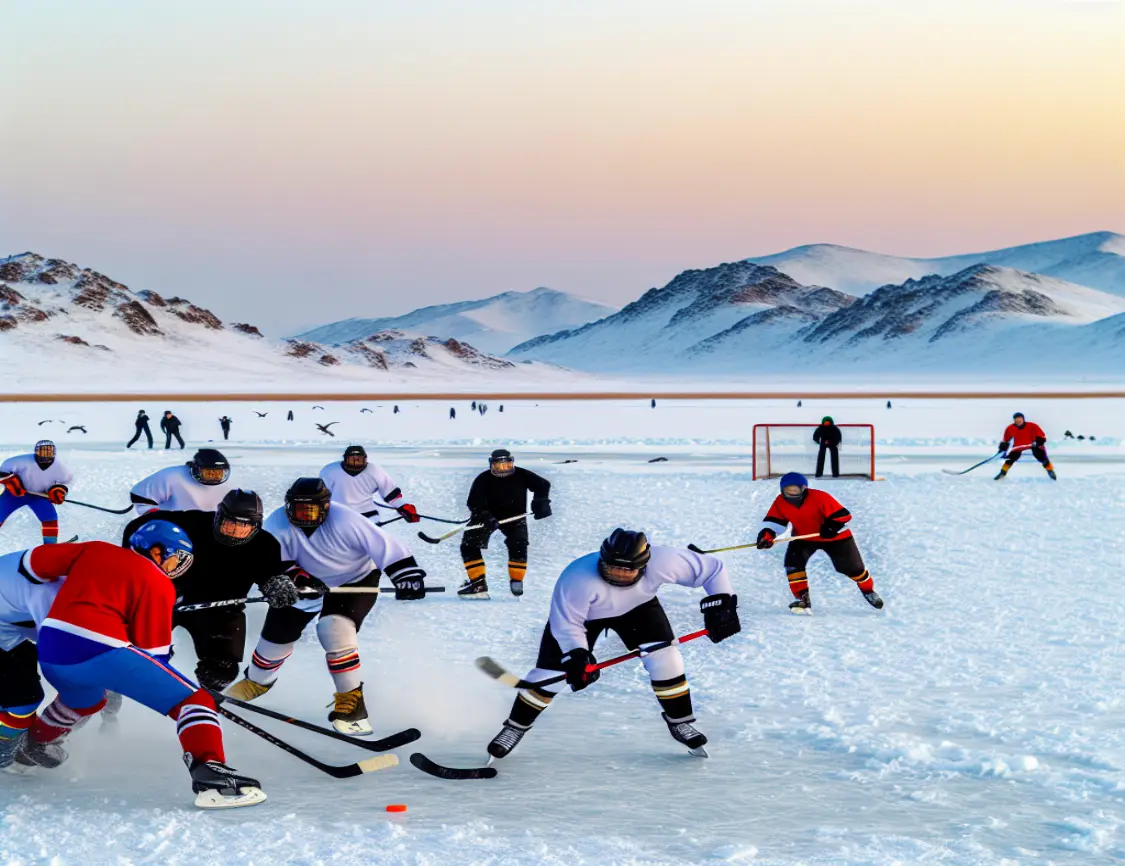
point(781, 448)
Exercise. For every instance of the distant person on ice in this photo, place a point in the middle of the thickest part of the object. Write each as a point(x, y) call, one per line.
point(224, 422)
point(142, 427)
point(615, 589)
point(497, 494)
point(1020, 436)
point(814, 512)
point(170, 426)
point(828, 437)
point(37, 473)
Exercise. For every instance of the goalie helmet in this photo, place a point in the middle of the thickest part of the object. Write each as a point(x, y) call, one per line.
point(209, 467)
point(307, 502)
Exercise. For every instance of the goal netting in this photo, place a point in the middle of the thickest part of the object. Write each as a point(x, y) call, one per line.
point(781, 448)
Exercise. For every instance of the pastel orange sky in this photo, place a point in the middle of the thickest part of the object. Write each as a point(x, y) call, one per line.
point(290, 163)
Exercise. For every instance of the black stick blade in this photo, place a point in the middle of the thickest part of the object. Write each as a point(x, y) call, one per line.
point(450, 773)
point(694, 549)
point(428, 538)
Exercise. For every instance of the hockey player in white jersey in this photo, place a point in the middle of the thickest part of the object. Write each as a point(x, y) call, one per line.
point(616, 588)
point(39, 481)
point(334, 546)
point(24, 604)
point(198, 485)
point(354, 481)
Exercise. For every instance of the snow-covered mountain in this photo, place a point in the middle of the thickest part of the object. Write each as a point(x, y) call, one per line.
point(493, 324)
point(66, 327)
point(659, 331)
point(1096, 260)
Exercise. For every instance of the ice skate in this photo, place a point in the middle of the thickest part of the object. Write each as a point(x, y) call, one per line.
point(349, 716)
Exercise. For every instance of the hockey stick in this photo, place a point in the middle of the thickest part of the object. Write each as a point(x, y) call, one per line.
point(450, 773)
point(125, 510)
point(987, 460)
point(368, 765)
point(409, 735)
point(498, 672)
point(421, 516)
point(258, 599)
point(784, 540)
point(431, 540)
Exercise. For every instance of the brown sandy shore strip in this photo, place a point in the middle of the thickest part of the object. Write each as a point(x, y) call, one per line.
point(306, 397)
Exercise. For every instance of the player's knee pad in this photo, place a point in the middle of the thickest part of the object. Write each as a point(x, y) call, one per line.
point(470, 551)
point(337, 634)
point(216, 674)
point(664, 664)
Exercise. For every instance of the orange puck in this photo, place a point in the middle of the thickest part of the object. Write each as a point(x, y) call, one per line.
point(396, 807)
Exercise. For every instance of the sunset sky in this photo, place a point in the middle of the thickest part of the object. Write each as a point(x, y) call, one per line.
point(292, 163)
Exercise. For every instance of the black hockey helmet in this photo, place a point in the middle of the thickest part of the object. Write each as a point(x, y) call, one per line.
point(209, 467)
point(307, 502)
point(624, 557)
point(501, 462)
point(238, 517)
point(355, 459)
point(44, 453)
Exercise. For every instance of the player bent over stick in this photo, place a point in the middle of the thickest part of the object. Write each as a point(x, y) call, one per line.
point(36, 473)
point(616, 589)
point(110, 627)
point(335, 546)
point(814, 512)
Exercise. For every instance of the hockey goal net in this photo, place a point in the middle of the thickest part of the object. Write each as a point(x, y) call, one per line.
point(781, 448)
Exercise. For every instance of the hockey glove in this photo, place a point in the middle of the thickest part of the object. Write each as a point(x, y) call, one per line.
point(830, 529)
point(307, 585)
point(1040, 441)
point(57, 494)
point(488, 521)
point(279, 591)
point(575, 663)
point(765, 539)
point(14, 486)
point(541, 508)
point(720, 616)
point(409, 513)
point(409, 583)
point(1003, 449)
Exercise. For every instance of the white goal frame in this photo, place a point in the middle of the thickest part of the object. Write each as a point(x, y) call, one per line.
point(762, 456)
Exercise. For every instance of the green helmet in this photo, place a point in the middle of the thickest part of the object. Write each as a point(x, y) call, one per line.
point(827, 419)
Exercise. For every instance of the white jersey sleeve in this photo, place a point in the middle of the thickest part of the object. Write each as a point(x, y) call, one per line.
point(687, 568)
point(34, 479)
point(380, 547)
point(577, 591)
point(174, 489)
point(23, 600)
point(277, 525)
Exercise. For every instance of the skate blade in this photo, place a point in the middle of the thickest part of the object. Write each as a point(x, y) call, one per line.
point(476, 596)
point(214, 800)
point(801, 611)
point(356, 728)
point(18, 769)
point(699, 752)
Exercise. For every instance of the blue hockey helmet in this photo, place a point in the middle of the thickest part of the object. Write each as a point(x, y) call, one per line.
point(793, 479)
point(165, 544)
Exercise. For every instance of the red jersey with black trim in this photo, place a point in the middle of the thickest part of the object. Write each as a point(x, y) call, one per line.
point(111, 595)
point(1024, 436)
point(807, 518)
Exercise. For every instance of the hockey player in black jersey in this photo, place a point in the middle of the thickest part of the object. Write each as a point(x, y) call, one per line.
point(497, 494)
point(231, 554)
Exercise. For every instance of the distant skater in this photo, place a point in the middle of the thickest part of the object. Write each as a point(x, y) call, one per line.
point(225, 422)
point(170, 426)
point(141, 423)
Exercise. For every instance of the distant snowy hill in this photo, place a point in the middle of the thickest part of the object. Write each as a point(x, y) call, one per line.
point(744, 318)
point(658, 331)
point(1096, 260)
point(494, 324)
point(62, 327)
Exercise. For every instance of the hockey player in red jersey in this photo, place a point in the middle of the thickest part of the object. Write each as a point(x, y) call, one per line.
point(1020, 436)
point(808, 512)
point(110, 628)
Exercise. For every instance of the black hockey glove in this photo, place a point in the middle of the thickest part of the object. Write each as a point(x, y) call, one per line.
point(488, 521)
point(830, 529)
point(410, 584)
point(1040, 441)
point(575, 663)
point(307, 585)
point(765, 539)
point(279, 591)
point(541, 508)
point(720, 616)
point(1003, 447)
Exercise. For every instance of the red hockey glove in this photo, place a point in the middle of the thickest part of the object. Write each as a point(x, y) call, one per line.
point(14, 486)
point(307, 585)
point(575, 663)
point(57, 494)
point(765, 539)
point(409, 513)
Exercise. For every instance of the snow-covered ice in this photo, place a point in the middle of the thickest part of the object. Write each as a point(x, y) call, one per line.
point(977, 719)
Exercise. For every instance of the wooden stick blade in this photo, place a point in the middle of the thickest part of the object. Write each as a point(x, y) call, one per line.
point(378, 762)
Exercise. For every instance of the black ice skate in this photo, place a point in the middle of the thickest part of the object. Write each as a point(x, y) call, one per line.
point(516, 586)
point(683, 731)
point(349, 715)
point(32, 753)
point(508, 738)
point(1000, 474)
point(873, 599)
point(1052, 475)
point(218, 786)
point(8, 748)
point(801, 605)
point(474, 589)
